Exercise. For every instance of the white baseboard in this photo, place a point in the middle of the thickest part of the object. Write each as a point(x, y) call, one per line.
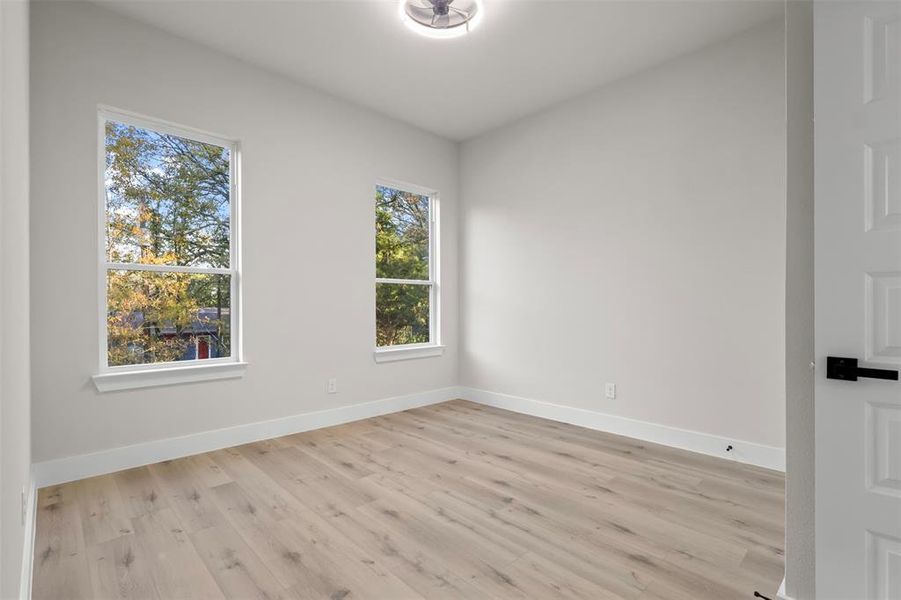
point(71, 468)
point(61, 470)
point(780, 595)
point(28, 544)
point(745, 452)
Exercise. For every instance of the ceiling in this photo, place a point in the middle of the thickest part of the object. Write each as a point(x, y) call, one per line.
point(524, 56)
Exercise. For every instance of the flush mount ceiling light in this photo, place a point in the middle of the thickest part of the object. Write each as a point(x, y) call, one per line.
point(441, 18)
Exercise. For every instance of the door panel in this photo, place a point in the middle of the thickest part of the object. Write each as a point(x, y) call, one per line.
point(858, 297)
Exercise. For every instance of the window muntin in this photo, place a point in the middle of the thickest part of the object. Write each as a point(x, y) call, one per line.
point(406, 270)
point(169, 245)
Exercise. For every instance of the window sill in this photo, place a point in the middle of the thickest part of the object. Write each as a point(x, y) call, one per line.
point(409, 353)
point(129, 380)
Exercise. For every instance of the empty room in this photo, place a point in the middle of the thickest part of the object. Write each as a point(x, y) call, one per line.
point(450, 299)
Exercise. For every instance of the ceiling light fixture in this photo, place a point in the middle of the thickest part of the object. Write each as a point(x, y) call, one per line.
point(441, 19)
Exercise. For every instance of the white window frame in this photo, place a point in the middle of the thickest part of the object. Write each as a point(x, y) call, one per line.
point(112, 378)
point(433, 347)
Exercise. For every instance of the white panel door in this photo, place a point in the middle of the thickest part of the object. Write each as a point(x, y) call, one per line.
point(858, 297)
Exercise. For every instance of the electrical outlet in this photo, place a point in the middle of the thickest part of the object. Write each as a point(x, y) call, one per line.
point(332, 387)
point(610, 391)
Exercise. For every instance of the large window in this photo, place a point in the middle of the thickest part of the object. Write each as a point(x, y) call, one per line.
point(169, 246)
point(406, 287)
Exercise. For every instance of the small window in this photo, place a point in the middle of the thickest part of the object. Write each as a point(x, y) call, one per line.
point(406, 285)
point(169, 246)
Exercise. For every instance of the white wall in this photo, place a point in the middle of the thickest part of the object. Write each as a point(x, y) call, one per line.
point(636, 235)
point(800, 547)
point(15, 441)
point(310, 163)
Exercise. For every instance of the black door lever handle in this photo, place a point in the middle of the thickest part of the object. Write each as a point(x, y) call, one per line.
point(846, 369)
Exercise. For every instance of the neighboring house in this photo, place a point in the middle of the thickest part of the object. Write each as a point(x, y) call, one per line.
point(201, 337)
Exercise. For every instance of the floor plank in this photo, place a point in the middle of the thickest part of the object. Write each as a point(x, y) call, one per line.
point(455, 500)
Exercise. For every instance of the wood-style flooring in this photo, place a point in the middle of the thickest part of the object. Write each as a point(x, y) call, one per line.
point(456, 500)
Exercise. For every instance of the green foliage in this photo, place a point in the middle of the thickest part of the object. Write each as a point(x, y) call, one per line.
point(167, 199)
point(402, 314)
point(401, 235)
point(402, 252)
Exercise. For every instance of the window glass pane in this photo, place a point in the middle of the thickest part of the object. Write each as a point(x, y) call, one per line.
point(401, 314)
point(401, 234)
point(163, 317)
point(167, 199)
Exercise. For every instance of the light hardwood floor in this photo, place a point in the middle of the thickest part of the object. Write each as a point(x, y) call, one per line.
point(455, 500)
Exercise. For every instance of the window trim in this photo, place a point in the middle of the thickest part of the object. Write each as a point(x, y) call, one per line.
point(110, 378)
point(434, 346)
